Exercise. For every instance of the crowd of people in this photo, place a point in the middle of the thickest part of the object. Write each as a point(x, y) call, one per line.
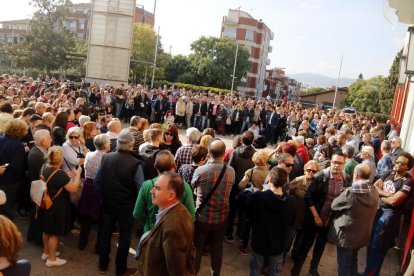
point(295, 177)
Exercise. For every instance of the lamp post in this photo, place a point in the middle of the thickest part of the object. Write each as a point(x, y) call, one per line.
point(234, 68)
point(155, 58)
point(337, 83)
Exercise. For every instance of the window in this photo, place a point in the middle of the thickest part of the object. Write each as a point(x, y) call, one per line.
point(249, 35)
point(229, 32)
point(81, 25)
point(72, 25)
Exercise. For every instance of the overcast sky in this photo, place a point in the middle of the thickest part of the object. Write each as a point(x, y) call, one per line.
point(310, 35)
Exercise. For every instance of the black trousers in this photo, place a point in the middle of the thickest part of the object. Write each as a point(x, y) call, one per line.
point(309, 237)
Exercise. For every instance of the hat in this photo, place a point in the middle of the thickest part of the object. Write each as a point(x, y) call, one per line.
point(299, 138)
point(125, 137)
point(2, 198)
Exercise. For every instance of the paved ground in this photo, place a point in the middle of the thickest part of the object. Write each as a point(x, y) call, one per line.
point(83, 263)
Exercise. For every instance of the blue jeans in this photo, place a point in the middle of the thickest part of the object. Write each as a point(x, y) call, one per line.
point(125, 228)
point(257, 262)
point(245, 126)
point(347, 261)
point(118, 109)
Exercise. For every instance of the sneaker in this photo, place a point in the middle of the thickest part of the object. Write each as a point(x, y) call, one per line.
point(56, 262)
point(243, 250)
point(45, 256)
point(229, 238)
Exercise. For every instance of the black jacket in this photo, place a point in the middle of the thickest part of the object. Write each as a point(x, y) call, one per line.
point(271, 217)
point(115, 182)
point(318, 189)
point(241, 161)
point(58, 136)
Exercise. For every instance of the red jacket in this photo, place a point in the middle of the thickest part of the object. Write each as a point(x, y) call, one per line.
point(303, 152)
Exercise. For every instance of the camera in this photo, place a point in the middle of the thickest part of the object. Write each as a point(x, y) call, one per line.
point(80, 155)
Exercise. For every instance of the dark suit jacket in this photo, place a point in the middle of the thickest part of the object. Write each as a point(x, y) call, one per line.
point(168, 249)
point(35, 162)
point(275, 120)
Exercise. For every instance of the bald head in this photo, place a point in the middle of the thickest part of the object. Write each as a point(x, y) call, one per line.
point(115, 126)
point(164, 162)
point(217, 149)
point(362, 172)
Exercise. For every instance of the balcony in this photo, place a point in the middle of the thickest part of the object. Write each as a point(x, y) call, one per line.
point(270, 49)
point(268, 61)
point(272, 35)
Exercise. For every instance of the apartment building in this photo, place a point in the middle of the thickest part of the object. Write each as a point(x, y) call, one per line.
point(256, 36)
point(77, 21)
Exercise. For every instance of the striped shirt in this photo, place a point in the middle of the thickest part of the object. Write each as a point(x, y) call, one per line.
point(204, 178)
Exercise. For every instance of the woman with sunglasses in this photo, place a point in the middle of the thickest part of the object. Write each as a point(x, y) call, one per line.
point(297, 187)
point(171, 140)
point(74, 151)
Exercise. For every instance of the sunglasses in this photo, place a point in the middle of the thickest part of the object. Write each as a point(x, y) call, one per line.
point(168, 133)
point(74, 137)
point(288, 165)
point(311, 171)
point(401, 163)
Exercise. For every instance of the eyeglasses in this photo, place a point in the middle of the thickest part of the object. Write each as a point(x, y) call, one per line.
point(311, 171)
point(168, 133)
point(74, 137)
point(289, 165)
point(401, 163)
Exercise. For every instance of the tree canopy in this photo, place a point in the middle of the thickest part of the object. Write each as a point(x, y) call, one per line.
point(375, 94)
point(47, 41)
point(213, 58)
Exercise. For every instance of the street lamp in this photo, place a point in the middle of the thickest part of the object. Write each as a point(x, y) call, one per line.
point(235, 57)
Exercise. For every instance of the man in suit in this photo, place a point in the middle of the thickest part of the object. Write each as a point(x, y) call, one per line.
point(355, 209)
point(272, 120)
point(168, 249)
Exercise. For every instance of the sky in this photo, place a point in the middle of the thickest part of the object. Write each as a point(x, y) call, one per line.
point(310, 36)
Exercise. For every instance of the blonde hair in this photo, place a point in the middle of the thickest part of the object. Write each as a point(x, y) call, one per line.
point(10, 239)
point(144, 124)
point(260, 157)
point(55, 156)
point(16, 129)
point(155, 125)
point(48, 117)
point(312, 163)
point(205, 140)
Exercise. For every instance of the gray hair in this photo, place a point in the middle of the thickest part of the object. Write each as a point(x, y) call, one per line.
point(282, 158)
point(193, 134)
point(398, 140)
point(348, 151)
point(386, 144)
point(363, 171)
point(39, 135)
point(368, 149)
point(134, 121)
point(72, 130)
point(101, 141)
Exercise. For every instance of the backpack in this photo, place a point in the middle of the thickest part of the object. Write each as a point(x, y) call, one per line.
point(39, 193)
point(147, 161)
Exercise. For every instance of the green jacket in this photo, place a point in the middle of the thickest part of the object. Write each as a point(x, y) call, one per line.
point(145, 211)
point(349, 170)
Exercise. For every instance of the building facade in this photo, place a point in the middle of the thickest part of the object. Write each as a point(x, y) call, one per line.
point(77, 21)
point(256, 36)
point(278, 85)
point(325, 98)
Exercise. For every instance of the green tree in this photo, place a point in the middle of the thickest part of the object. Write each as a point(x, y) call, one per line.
point(47, 41)
point(315, 90)
point(213, 58)
point(144, 40)
point(360, 76)
point(179, 69)
point(386, 94)
point(363, 94)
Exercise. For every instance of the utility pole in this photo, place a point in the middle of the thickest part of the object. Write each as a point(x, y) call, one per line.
point(235, 57)
point(337, 83)
point(155, 57)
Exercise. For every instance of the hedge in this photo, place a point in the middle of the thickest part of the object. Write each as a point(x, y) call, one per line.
point(204, 88)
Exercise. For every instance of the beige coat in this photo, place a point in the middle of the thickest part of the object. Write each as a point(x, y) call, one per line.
point(180, 108)
point(258, 177)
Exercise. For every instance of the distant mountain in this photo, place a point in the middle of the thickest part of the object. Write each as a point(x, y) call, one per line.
point(318, 80)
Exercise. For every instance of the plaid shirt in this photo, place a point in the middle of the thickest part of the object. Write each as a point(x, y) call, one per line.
point(183, 155)
point(204, 178)
point(361, 186)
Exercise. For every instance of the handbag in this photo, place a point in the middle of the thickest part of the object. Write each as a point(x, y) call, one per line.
point(39, 193)
point(204, 202)
point(249, 189)
point(75, 197)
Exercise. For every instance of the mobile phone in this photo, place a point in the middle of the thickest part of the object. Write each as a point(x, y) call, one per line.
point(5, 165)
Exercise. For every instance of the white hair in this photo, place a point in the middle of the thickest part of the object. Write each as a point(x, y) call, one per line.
point(39, 135)
point(368, 150)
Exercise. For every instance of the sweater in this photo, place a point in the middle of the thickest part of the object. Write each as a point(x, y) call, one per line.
point(145, 211)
